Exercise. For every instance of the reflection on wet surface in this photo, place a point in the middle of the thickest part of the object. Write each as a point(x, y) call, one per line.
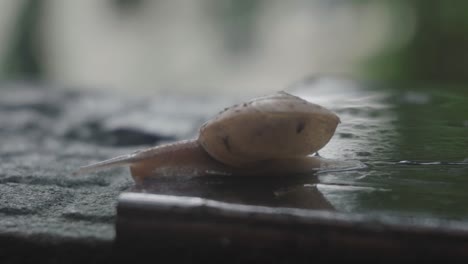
point(294, 191)
point(360, 111)
point(414, 146)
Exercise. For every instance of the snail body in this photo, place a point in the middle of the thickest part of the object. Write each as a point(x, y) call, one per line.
point(268, 135)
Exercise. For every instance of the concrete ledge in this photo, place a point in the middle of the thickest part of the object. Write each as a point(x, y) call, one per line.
point(150, 226)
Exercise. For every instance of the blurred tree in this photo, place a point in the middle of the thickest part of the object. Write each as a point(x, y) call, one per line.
point(437, 51)
point(127, 6)
point(237, 22)
point(22, 59)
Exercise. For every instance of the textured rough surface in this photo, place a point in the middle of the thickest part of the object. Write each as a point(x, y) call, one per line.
point(47, 133)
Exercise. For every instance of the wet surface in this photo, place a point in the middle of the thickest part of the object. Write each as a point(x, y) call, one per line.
point(295, 191)
point(414, 143)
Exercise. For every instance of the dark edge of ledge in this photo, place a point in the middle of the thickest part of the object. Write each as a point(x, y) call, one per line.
point(42, 248)
point(195, 229)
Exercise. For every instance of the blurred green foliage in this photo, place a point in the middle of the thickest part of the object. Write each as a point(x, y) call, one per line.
point(22, 60)
point(437, 51)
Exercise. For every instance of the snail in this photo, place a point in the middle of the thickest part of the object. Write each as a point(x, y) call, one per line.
point(269, 135)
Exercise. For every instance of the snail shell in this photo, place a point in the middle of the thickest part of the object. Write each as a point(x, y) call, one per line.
point(278, 126)
point(268, 135)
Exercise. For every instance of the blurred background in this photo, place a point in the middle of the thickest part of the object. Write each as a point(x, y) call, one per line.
point(227, 46)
